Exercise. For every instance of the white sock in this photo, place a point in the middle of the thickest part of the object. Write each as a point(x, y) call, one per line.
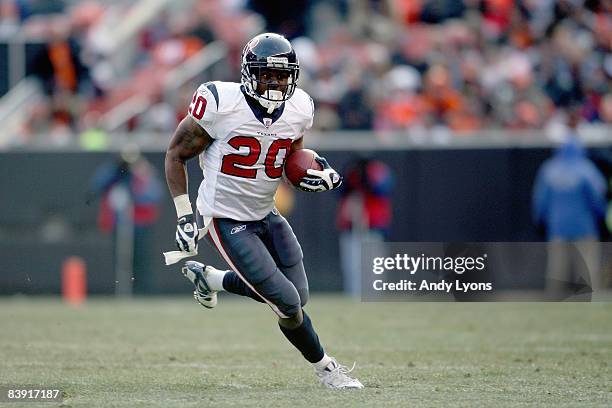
point(320, 365)
point(215, 278)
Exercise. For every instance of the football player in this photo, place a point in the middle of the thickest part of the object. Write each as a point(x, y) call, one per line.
point(242, 133)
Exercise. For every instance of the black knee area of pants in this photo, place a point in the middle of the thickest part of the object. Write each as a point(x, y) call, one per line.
point(282, 293)
point(290, 307)
point(297, 276)
point(304, 296)
point(305, 339)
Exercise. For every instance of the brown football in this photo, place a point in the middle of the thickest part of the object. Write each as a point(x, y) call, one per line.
point(298, 162)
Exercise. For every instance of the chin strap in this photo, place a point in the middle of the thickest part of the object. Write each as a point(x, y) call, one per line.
point(270, 105)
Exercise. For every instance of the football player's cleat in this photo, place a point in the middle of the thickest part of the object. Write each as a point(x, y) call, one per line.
point(338, 376)
point(196, 272)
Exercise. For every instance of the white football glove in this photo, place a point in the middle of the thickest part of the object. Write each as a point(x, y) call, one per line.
point(321, 180)
point(187, 234)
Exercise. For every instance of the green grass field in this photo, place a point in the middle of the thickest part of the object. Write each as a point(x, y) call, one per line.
point(170, 352)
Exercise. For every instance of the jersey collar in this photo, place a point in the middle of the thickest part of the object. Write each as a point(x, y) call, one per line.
point(260, 112)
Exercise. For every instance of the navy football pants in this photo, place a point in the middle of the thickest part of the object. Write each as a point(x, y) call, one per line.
point(266, 259)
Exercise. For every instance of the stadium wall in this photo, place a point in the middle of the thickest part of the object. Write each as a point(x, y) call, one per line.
point(439, 195)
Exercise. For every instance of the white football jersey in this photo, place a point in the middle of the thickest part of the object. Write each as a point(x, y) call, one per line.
point(243, 165)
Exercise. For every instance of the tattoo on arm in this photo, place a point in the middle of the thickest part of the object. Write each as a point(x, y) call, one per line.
point(188, 141)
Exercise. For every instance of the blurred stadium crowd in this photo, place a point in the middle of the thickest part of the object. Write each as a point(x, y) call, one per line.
point(440, 68)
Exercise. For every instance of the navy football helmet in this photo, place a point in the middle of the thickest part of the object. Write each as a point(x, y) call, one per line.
point(264, 53)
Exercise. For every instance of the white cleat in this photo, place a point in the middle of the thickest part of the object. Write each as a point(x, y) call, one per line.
point(337, 376)
point(197, 272)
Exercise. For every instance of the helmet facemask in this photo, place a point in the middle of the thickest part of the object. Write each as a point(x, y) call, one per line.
point(270, 94)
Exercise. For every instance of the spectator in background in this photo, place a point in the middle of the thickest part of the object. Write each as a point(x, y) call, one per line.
point(283, 17)
point(569, 202)
point(603, 160)
point(437, 11)
point(364, 215)
point(131, 192)
point(429, 68)
point(440, 98)
point(58, 64)
point(354, 108)
point(28, 8)
point(9, 21)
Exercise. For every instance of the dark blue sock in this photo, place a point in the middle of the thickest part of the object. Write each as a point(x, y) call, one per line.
point(305, 340)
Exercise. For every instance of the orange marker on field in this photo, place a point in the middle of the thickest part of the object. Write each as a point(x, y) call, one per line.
point(74, 280)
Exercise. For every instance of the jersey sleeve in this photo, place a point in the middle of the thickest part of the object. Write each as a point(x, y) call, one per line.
point(310, 118)
point(305, 106)
point(203, 107)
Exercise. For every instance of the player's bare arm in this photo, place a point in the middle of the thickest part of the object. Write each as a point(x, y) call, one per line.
point(297, 145)
point(188, 141)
